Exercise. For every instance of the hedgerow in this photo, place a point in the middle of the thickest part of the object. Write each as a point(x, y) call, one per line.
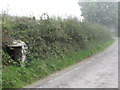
point(52, 37)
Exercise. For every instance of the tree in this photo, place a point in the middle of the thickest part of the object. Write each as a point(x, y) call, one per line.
point(100, 12)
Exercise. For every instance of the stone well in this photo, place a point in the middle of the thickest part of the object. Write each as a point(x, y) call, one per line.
point(18, 51)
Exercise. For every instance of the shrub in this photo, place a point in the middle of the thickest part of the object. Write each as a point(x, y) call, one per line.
point(53, 36)
point(6, 59)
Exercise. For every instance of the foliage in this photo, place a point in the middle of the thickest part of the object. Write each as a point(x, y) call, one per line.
point(53, 44)
point(105, 13)
point(17, 77)
point(7, 60)
point(52, 36)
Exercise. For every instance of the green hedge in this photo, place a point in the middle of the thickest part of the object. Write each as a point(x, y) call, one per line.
point(52, 36)
point(52, 43)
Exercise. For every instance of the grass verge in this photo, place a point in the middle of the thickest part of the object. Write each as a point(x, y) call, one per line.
point(17, 77)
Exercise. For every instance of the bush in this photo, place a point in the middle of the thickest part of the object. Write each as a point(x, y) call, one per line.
point(52, 45)
point(51, 37)
point(6, 59)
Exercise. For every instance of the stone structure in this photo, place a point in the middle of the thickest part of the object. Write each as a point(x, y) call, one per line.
point(18, 51)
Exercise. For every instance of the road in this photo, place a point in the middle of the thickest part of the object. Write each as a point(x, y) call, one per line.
point(97, 71)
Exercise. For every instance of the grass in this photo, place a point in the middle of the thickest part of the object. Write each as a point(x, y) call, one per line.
point(0, 78)
point(17, 77)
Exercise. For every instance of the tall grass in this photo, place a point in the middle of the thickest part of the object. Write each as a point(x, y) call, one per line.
point(17, 77)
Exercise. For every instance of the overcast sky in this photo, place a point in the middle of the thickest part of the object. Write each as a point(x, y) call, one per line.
point(61, 8)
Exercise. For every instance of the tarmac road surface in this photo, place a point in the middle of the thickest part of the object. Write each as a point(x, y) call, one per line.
point(97, 71)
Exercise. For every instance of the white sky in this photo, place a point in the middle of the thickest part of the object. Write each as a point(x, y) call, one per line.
point(61, 8)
